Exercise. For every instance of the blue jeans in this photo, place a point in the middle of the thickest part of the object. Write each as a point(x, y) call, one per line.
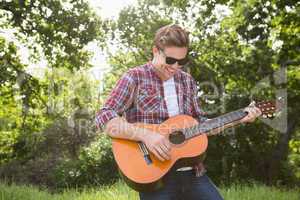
point(184, 186)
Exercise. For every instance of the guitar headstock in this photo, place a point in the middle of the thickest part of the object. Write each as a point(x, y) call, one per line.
point(267, 108)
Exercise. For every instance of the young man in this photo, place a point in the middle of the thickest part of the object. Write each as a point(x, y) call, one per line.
point(152, 93)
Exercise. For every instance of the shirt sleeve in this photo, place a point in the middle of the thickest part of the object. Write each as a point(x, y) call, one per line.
point(198, 112)
point(119, 100)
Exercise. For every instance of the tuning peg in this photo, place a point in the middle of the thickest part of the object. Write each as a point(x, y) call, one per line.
point(264, 116)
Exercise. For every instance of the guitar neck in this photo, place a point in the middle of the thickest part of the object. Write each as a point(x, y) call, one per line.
point(218, 122)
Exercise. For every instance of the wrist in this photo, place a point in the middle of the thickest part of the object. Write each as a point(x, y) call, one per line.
point(140, 134)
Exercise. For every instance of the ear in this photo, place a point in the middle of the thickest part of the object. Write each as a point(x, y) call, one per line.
point(155, 50)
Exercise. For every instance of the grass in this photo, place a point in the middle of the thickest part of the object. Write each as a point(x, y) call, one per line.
point(259, 192)
point(120, 191)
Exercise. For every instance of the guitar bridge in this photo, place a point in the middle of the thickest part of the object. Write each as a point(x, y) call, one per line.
point(148, 159)
point(145, 152)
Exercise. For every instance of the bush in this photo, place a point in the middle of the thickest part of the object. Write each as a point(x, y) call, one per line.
point(95, 166)
point(64, 156)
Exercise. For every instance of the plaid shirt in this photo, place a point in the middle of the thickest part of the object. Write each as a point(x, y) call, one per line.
point(139, 97)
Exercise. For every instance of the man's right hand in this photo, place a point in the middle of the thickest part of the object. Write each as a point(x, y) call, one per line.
point(158, 144)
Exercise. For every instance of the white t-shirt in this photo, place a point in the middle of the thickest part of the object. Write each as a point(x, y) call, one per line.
point(170, 97)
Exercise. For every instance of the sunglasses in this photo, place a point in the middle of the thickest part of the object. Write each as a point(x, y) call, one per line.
point(171, 61)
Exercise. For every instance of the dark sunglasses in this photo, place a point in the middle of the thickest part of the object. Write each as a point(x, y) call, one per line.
point(171, 61)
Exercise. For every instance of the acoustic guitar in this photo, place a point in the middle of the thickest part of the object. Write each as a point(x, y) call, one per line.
point(142, 171)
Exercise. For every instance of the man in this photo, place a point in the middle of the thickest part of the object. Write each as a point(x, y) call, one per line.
point(152, 93)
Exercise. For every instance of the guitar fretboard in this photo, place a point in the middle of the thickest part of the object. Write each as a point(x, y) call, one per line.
point(214, 123)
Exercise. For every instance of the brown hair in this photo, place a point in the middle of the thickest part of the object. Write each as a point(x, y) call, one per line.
point(171, 35)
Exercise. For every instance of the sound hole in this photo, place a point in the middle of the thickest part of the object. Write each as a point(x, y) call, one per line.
point(177, 137)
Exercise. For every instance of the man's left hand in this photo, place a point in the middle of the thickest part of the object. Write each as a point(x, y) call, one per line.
point(253, 113)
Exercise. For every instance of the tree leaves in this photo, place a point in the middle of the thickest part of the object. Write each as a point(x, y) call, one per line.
point(62, 29)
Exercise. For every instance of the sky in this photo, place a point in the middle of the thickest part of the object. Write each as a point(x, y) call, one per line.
point(106, 9)
point(110, 8)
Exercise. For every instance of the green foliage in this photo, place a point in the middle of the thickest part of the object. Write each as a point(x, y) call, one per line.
point(55, 151)
point(55, 30)
point(20, 101)
point(95, 166)
point(49, 119)
point(9, 122)
point(61, 28)
point(294, 157)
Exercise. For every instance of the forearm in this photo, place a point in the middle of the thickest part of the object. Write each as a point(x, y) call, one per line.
point(118, 127)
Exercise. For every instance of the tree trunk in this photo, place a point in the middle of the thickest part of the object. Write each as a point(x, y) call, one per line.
point(280, 154)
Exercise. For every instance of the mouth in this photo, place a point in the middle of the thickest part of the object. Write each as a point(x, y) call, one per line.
point(170, 70)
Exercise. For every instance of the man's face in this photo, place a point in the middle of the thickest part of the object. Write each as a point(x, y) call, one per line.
point(165, 70)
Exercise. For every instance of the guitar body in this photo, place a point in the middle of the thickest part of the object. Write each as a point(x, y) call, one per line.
point(143, 176)
point(144, 172)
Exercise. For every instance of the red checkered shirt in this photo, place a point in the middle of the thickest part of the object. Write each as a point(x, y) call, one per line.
point(139, 97)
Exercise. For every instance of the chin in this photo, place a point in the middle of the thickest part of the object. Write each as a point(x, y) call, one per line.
point(169, 76)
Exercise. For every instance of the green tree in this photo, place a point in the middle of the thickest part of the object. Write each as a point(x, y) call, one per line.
point(47, 122)
point(54, 30)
